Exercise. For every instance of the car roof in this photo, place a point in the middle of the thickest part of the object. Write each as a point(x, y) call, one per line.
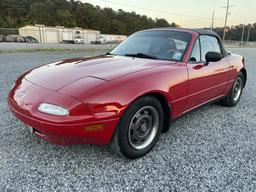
point(205, 32)
point(200, 31)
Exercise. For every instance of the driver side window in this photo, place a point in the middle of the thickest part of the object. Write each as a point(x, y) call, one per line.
point(202, 46)
point(196, 55)
point(209, 43)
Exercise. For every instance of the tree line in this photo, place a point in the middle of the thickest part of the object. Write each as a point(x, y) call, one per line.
point(235, 33)
point(73, 13)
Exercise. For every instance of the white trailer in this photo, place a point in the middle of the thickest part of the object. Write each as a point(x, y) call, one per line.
point(106, 38)
point(67, 37)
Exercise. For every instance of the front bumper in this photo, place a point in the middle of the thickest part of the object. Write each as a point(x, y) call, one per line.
point(77, 129)
point(70, 134)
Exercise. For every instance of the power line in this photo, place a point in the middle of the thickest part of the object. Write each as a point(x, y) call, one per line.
point(244, 15)
point(172, 13)
point(153, 10)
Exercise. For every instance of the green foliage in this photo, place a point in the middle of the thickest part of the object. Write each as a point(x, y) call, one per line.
point(174, 25)
point(161, 23)
point(72, 13)
point(234, 33)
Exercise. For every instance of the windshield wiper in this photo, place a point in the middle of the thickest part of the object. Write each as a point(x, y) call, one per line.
point(141, 55)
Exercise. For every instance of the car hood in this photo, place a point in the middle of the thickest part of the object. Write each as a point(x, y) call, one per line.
point(87, 72)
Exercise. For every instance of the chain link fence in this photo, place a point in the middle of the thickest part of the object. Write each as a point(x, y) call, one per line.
point(234, 44)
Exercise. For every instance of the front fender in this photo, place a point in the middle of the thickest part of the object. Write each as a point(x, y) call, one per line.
point(111, 99)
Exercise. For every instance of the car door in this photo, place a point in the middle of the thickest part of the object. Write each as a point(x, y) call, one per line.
point(206, 81)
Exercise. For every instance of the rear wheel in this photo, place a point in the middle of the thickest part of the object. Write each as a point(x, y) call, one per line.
point(139, 128)
point(235, 93)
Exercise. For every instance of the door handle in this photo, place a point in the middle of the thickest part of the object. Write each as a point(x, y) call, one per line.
point(199, 66)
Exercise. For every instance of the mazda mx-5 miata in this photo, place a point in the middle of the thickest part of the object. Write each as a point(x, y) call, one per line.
point(128, 96)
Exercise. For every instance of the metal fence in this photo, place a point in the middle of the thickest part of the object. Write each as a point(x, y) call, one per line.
point(240, 44)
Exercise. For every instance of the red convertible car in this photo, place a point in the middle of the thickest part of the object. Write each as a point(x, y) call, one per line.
point(127, 97)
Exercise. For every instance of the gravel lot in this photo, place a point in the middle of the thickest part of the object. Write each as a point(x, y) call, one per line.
point(11, 47)
point(211, 149)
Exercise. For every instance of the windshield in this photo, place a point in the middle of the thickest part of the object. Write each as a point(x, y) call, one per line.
point(161, 44)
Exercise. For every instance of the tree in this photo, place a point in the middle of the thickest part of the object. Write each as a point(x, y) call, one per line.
point(72, 13)
point(65, 18)
point(162, 23)
point(174, 25)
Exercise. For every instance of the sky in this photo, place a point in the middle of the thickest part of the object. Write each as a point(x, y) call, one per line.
point(188, 13)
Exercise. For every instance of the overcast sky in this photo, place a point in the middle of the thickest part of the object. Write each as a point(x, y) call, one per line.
point(189, 13)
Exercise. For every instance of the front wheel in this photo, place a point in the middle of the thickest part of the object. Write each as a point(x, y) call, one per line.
point(139, 128)
point(235, 93)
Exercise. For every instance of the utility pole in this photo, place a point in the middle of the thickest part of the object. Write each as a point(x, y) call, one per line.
point(213, 18)
point(248, 35)
point(226, 19)
point(242, 38)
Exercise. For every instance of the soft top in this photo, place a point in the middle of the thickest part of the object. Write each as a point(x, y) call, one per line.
point(200, 31)
point(205, 32)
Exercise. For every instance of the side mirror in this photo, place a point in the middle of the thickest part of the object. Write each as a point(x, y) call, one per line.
point(212, 57)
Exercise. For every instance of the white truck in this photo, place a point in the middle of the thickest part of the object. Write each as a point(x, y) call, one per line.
point(70, 37)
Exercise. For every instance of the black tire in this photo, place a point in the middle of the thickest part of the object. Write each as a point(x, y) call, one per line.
point(143, 116)
point(235, 93)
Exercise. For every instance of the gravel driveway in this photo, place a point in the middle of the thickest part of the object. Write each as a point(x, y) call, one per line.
point(211, 149)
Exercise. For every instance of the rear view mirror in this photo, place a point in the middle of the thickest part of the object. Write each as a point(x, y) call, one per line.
point(213, 57)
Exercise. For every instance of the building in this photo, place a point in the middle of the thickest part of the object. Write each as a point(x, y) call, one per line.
point(59, 34)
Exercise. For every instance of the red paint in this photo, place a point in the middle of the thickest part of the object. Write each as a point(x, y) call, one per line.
point(97, 90)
